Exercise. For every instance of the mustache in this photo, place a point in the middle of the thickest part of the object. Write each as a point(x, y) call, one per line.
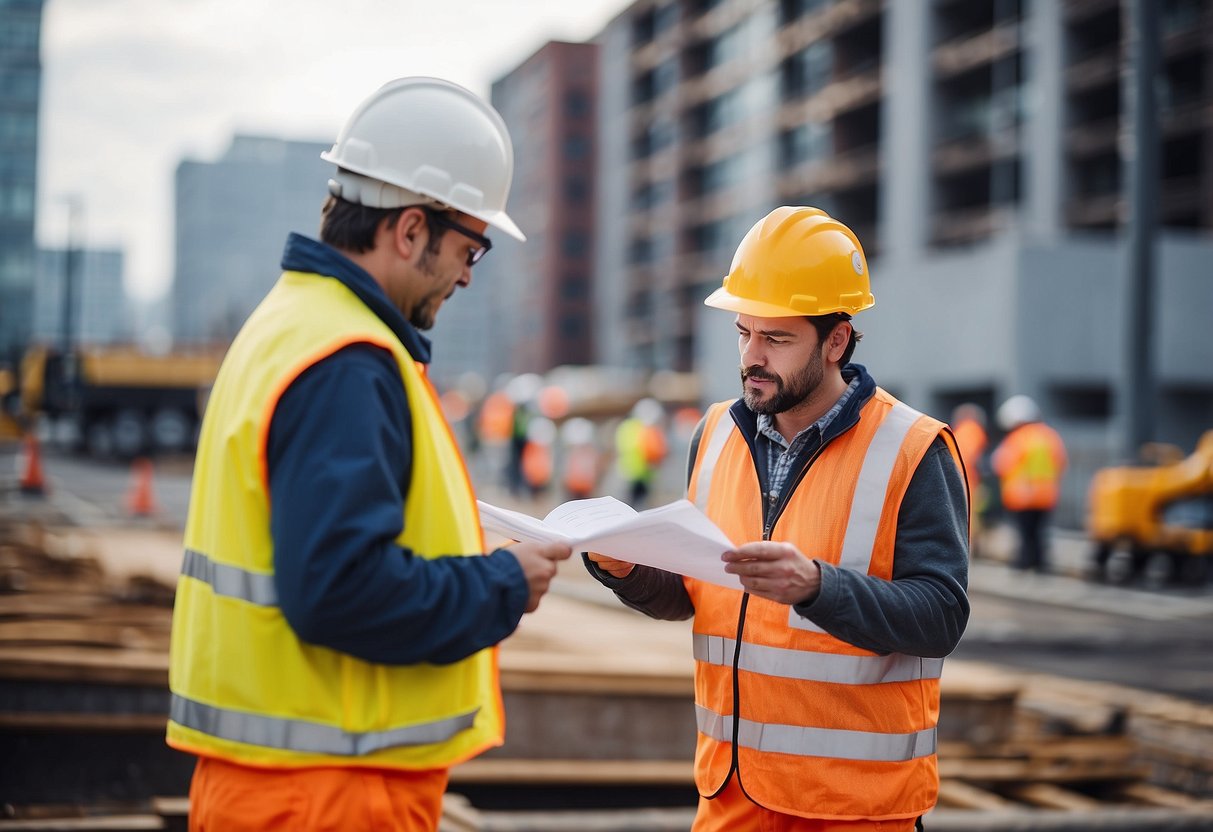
point(758, 373)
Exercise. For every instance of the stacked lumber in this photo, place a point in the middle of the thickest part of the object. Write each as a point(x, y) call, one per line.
point(599, 704)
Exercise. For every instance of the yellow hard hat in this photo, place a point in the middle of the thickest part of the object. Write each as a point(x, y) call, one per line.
point(796, 261)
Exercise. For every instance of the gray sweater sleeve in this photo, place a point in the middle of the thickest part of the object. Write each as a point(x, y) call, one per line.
point(921, 612)
point(924, 609)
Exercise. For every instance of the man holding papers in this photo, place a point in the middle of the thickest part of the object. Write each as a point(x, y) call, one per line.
point(817, 683)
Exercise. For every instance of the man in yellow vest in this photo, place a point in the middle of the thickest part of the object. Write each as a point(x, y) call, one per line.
point(336, 620)
point(817, 688)
point(1029, 463)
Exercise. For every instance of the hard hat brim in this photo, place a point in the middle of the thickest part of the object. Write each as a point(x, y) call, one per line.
point(722, 299)
point(500, 220)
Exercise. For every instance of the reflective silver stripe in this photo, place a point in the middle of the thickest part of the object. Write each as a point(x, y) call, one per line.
point(873, 483)
point(817, 742)
point(720, 435)
point(813, 666)
point(308, 737)
point(232, 581)
point(867, 504)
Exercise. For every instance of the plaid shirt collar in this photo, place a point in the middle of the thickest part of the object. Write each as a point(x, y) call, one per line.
point(781, 454)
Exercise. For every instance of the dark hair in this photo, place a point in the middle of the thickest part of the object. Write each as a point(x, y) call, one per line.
point(347, 226)
point(824, 324)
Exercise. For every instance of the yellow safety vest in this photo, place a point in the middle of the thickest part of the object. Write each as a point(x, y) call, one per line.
point(244, 686)
point(823, 729)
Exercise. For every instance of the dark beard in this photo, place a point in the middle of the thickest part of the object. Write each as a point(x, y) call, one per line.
point(787, 394)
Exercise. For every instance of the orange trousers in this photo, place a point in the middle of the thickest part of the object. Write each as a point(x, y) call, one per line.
point(226, 797)
point(732, 811)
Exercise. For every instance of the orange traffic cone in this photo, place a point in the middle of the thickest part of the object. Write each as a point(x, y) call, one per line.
point(139, 501)
point(32, 481)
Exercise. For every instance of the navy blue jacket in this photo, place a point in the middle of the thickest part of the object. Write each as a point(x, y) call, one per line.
point(339, 459)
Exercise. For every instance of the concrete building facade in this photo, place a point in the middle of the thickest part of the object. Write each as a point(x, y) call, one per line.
point(20, 93)
point(530, 305)
point(101, 310)
point(232, 217)
point(976, 148)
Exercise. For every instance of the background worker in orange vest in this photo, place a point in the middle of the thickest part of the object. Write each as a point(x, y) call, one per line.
point(1029, 462)
point(817, 682)
point(969, 427)
point(581, 458)
point(336, 619)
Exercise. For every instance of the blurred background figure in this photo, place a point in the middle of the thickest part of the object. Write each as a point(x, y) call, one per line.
point(1029, 462)
point(582, 461)
point(640, 448)
point(536, 458)
point(521, 391)
point(969, 427)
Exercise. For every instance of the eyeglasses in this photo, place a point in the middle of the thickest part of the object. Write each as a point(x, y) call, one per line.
point(484, 243)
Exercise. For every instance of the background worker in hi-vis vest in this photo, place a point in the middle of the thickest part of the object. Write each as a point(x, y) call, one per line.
point(333, 647)
point(817, 687)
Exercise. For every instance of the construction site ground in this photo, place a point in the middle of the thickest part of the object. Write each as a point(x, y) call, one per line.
point(600, 717)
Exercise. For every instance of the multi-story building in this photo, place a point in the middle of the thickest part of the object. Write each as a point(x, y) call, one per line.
point(530, 306)
point(101, 312)
point(976, 148)
point(20, 91)
point(232, 219)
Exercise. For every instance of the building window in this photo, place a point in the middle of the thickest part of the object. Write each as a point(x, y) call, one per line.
point(807, 71)
point(712, 115)
point(575, 244)
point(1082, 402)
point(576, 189)
point(810, 142)
point(576, 147)
point(792, 10)
point(576, 103)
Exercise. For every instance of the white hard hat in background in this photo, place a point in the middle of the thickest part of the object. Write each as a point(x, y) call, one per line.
point(425, 141)
point(541, 431)
point(648, 410)
point(577, 431)
point(1017, 410)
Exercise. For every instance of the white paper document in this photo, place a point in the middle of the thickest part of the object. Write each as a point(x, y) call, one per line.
point(676, 537)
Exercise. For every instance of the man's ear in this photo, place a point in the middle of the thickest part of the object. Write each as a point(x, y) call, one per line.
point(410, 233)
point(837, 340)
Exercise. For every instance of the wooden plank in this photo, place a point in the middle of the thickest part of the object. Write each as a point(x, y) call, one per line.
point(1152, 795)
point(78, 664)
point(1028, 771)
point(113, 823)
point(1052, 796)
point(82, 722)
point(81, 633)
point(572, 772)
point(957, 794)
point(1043, 749)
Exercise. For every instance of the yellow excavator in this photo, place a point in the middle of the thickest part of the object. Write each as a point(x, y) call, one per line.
point(1163, 507)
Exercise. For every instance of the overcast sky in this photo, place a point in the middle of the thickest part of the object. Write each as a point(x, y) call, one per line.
point(130, 87)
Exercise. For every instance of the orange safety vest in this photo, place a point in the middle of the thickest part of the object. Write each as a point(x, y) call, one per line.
point(971, 438)
point(823, 729)
point(581, 470)
point(1029, 464)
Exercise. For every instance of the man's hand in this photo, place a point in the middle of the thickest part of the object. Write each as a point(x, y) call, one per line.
point(538, 562)
point(776, 571)
point(615, 568)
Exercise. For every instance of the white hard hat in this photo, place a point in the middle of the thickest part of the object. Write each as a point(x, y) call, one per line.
point(419, 141)
point(1017, 410)
point(541, 430)
point(648, 410)
point(577, 431)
